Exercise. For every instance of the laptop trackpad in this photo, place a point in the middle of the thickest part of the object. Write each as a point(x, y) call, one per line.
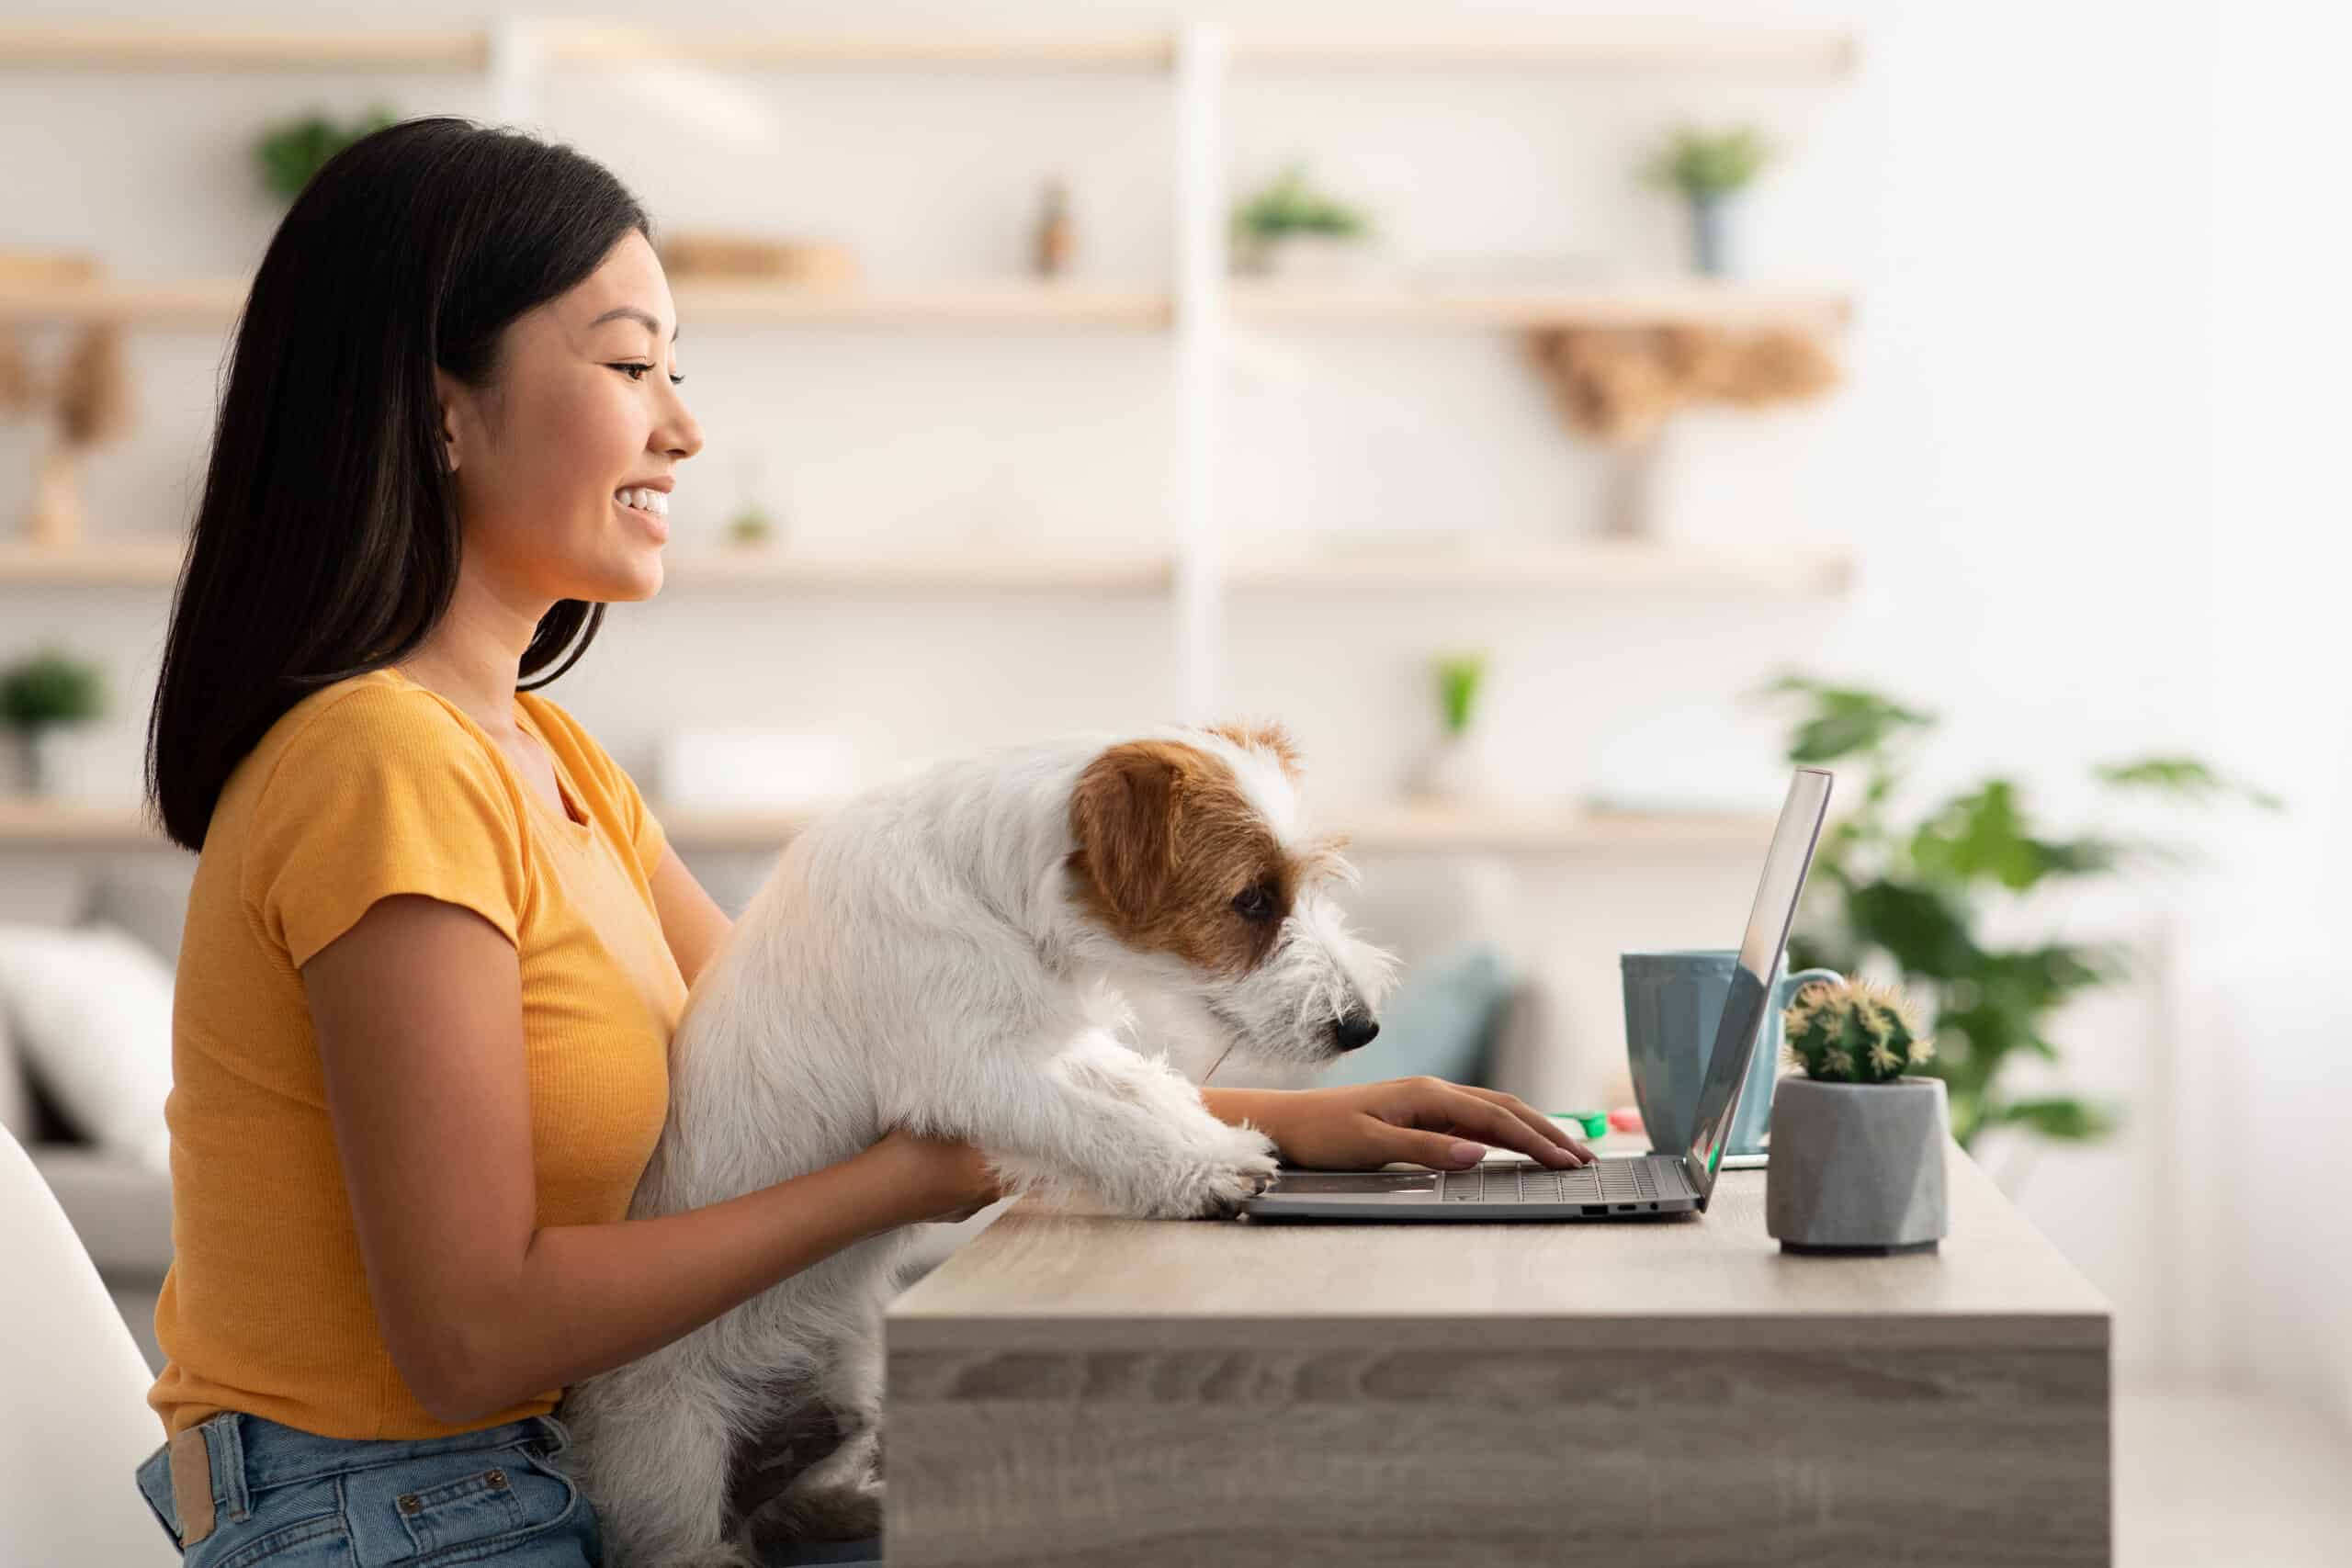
point(1352, 1183)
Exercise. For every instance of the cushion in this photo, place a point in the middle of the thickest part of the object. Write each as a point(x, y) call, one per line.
point(147, 898)
point(1440, 1020)
point(91, 1011)
point(15, 1103)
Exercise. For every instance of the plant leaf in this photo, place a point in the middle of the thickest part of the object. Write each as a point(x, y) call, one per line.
point(2064, 1117)
point(2182, 776)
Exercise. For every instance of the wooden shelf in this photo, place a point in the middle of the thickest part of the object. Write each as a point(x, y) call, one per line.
point(1597, 563)
point(1696, 301)
point(698, 569)
point(716, 570)
point(95, 563)
point(234, 46)
point(1007, 303)
point(587, 43)
point(1596, 46)
point(1023, 303)
point(614, 46)
point(1012, 569)
point(30, 824)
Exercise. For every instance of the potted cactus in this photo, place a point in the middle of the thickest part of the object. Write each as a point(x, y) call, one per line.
point(1858, 1139)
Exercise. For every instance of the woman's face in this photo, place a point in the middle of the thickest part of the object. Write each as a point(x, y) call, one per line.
point(580, 408)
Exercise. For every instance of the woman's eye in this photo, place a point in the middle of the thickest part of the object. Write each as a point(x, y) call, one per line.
point(638, 372)
point(1253, 904)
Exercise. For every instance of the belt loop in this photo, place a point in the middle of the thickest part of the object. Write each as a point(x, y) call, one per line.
point(224, 1443)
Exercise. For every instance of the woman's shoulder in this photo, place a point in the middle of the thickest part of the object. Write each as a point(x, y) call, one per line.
point(350, 734)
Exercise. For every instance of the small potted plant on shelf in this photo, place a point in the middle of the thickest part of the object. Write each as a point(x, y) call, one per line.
point(1857, 1141)
point(288, 153)
point(1709, 168)
point(1453, 768)
point(40, 694)
point(1291, 229)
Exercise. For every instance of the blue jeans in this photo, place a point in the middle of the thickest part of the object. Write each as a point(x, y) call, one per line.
point(293, 1500)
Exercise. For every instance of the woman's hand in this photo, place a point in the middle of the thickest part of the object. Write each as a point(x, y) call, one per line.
point(945, 1179)
point(1425, 1119)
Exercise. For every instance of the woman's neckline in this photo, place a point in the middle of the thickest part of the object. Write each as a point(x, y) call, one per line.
point(560, 814)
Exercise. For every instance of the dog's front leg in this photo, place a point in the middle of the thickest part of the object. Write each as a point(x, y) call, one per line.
point(1130, 1127)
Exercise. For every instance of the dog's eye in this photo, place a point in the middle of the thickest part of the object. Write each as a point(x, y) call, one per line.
point(1253, 904)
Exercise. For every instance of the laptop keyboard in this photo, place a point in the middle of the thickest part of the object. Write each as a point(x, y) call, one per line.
point(1607, 1181)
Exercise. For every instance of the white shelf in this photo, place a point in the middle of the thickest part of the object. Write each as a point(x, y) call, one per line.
point(1597, 563)
point(1696, 301)
point(30, 824)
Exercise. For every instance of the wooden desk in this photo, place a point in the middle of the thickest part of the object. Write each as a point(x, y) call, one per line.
point(1084, 1390)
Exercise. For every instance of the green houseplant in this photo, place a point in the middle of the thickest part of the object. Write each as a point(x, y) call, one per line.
point(39, 692)
point(1708, 167)
point(1911, 894)
point(1289, 228)
point(1858, 1139)
point(288, 153)
point(1452, 769)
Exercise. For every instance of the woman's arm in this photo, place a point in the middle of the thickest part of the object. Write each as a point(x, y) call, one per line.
point(692, 921)
point(419, 1016)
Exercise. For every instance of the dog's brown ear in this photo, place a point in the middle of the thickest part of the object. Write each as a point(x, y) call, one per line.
point(1265, 735)
point(1123, 815)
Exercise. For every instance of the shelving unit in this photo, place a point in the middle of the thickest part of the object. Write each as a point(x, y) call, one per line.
point(1203, 574)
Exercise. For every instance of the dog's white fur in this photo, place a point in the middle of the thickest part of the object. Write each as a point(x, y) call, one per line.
point(921, 958)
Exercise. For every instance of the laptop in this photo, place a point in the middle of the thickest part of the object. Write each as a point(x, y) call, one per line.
point(1613, 1188)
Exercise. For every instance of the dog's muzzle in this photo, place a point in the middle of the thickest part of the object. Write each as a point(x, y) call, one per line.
point(1353, 1029)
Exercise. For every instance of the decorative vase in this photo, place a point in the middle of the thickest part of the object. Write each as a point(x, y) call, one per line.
point(1453, 768)
point(18, 771)
point(1857, 1167)
point(1710, 234)
point(1302, 257)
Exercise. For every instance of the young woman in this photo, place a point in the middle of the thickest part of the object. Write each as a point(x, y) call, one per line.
point(436, 945)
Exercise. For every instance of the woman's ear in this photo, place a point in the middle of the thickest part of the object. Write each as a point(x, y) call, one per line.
point(450, 394)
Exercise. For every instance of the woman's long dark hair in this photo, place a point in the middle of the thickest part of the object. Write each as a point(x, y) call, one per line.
point(327, 541)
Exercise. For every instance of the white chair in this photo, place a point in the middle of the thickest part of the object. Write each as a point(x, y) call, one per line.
point(74, 1389)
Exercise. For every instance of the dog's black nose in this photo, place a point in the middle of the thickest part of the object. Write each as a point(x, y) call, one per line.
point(1355, 1030)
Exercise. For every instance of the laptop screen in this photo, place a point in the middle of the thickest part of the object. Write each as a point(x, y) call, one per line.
point(1758, 969)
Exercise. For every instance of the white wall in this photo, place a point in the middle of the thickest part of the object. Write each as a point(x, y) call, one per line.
point(2019, 195)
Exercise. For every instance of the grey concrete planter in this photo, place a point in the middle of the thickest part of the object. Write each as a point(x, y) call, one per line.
point(1857, 1167)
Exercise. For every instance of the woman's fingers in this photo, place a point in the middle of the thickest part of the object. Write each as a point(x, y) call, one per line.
point(1550, 1130)
point(1452, 1108)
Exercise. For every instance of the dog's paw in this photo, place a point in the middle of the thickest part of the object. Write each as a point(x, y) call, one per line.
point(1240, 1168)
point(845, 1511)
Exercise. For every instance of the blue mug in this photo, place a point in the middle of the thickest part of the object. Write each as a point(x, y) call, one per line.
point(1673, 1002)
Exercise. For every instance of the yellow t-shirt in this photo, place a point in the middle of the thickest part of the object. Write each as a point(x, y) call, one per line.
point(374, 786)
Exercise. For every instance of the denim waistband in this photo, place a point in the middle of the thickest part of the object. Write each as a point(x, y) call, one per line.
point(248, 1454)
